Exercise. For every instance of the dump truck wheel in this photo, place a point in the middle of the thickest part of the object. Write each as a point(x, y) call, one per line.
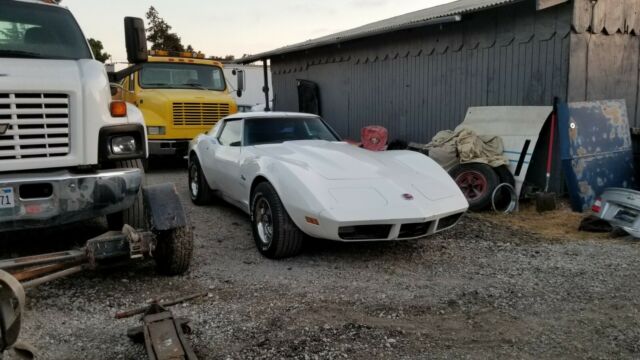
point(274, 233)
point(199, 189)
point(477, 182)
point(174, 250)
point(135, 215)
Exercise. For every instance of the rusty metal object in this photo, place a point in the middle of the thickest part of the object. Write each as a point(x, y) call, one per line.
point(164, 207)
point(12, 300)
point(164, 338)
point(163, 335)
point(45, 259)
point(51, 277)
point(141, 310)
point(597, 151)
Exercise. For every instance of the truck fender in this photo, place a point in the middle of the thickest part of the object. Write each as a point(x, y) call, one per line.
point(164, 208)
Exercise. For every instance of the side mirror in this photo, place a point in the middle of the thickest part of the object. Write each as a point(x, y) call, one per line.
point(136, 40)
point(240, 85)
point(236, 144)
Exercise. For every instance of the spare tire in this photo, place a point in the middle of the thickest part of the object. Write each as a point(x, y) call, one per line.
point(477, 182)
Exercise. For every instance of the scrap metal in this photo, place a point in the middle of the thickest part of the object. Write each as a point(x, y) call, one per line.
point(597, 151)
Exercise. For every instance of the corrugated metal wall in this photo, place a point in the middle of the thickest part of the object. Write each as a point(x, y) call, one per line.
point(605, 53)
point(421, 81)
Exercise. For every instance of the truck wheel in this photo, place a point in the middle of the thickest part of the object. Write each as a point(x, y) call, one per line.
point(477, 182)
point(135, 215)
point(174, 251)
point(274, 232)
point(199, 189)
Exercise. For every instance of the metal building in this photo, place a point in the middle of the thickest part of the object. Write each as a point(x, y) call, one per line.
point(418, 73)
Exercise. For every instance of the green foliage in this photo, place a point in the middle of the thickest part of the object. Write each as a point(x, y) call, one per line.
point(97, 47)
point(159, 33)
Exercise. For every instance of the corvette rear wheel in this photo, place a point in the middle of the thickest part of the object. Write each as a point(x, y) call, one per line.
point(274, 232)
point(198, 188)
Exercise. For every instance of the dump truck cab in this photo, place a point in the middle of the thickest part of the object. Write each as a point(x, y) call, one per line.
point(181, 95)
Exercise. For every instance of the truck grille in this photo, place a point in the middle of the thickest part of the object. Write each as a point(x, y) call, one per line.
point(33, 125)
point(198, 114)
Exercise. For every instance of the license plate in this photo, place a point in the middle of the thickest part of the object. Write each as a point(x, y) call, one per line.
point(6, 198)
point(626, 216)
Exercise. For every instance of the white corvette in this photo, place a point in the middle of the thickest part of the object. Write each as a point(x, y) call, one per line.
point(295, 177)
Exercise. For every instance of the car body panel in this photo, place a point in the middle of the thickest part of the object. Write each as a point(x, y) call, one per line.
point(338, 184)
point(621, 208)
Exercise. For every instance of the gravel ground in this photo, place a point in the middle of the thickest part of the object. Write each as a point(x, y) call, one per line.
point(477, 291)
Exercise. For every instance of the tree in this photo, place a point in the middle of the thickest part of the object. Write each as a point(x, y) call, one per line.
point(97, 47)
point(159, 33)
point(223, 58)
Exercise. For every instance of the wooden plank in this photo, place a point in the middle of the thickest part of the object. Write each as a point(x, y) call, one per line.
point(632, 16)
point(582, 12)
point(578, 67)
point(604, 72)
point(543, 4)
point(598, 16)
point(614, 16)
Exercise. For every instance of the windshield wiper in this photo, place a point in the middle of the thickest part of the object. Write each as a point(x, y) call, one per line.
point(196, 86)
point(21, 54)
point(155, 84)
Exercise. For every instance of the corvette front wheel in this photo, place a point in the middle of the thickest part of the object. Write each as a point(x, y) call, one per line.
point(198, 187)
point(274, 232)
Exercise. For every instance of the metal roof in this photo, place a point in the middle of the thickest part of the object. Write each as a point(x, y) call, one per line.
point(435, 15)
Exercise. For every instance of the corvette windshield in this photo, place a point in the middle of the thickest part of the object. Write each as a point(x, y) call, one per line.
point(279, 130)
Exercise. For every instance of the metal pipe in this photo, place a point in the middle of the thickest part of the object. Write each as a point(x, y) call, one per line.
point(51, 277)
point(32, 273)
point(140, 310)
point(31, 261)
point(265, 89)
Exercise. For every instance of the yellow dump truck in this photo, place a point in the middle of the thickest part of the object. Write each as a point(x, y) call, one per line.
point(180, 95)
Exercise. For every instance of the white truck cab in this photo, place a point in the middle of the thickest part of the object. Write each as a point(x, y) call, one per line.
point(67, 151)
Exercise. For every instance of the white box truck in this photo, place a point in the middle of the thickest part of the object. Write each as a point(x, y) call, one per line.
point(69, 153)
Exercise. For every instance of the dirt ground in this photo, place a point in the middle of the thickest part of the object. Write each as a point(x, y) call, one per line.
point(484, 290)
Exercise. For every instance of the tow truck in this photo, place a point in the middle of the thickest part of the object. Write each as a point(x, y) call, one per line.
point(68, 153)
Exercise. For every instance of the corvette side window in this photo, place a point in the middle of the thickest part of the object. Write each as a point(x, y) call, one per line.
point(231, 134)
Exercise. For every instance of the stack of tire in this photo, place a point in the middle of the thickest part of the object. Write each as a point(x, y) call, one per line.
point(478, 183)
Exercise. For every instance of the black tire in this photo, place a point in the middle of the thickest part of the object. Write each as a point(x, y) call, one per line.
point(505, 175)
point(134, 216)
point(286, 239)
point(477, 182)
point(174, 251)
point(199, 190)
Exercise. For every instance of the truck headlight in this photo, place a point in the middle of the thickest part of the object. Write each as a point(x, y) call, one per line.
point(156, 130)
point(123, 145)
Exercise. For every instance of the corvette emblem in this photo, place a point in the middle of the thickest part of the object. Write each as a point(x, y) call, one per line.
point(407, 197)
point(3, 128)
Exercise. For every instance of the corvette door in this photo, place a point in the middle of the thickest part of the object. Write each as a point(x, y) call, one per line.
point(225, 160)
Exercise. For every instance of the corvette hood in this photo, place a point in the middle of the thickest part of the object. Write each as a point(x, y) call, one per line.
point(331, 160)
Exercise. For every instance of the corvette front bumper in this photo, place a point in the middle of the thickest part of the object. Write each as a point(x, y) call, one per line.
point(381, 229)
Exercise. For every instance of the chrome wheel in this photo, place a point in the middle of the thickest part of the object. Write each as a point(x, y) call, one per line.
point(263, 219)
point(193, 183)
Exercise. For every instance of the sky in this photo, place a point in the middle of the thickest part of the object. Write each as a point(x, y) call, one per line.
point(237, 27)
